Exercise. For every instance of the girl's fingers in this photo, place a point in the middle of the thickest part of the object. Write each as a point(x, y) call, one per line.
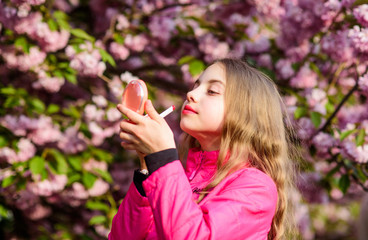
point(133, 116)
point(127, 126)
point(128, 146)
point(128, 137)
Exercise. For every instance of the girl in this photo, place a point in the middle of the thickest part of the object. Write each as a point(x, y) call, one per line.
point(238, 170)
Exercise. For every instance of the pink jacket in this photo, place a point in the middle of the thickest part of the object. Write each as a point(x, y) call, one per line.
point(240, 207)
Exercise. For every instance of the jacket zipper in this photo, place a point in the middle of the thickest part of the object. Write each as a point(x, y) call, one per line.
point(192, 176)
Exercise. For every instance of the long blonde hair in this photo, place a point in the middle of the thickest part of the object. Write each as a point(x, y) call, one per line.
point(256, 130)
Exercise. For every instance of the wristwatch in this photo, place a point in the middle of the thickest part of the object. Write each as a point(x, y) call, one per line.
point(144, 171)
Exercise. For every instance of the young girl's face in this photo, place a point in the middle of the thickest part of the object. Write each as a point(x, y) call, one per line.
point(202, 113)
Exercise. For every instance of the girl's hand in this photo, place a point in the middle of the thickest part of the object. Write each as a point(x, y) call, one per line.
point(145, 134)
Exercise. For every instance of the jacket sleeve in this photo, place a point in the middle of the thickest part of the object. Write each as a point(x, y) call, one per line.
point(243, 209)
point(134, 216)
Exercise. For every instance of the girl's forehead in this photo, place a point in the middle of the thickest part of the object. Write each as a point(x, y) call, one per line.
point(215, 71)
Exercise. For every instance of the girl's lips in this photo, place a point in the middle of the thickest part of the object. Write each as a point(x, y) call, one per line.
point(188, 109)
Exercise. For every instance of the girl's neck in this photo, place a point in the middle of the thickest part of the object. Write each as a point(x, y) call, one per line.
point(209, 144)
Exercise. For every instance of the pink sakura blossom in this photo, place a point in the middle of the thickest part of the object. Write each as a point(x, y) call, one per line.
point(363, 84)
point(238, 50)
point(353, 114)
point(99, 134)
point(46, 131)
point(122, 22)
point(26, 150)
point(40, 130)
point(329, 11)
point(99, 100)
point(92, 113)
point(338, 40)
point(297, 53)
point(92, 164)
point(317, 100)
point(8, 154)
point(79, 191)
point(136, 43)
point(88, 63)
point(268, 8)
point(113, 114)
point(38, 212)
point(264, 60)
point(258, 44)
point(30, 2)
point(102, 230)
point(72, 141)
point(99, 188)
point(161, 28)
point(119, 51)
point(76, 195)
point(284, 68)
point(361, 14)
point(47, 187)
point(188, 78)
point(212, 47)
point(116, 87)
point(50, 41)
point(305, 128)
point(127, 77)
point(305, 78)
point(50, 84)
point(23, 62)
point(323, 142)
point(359, 38)
point(358, 154)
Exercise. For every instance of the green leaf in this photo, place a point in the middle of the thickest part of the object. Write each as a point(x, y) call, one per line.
point(70, 77)
point(94, 205)
point(359, 141)
point(52, 25)
point(52, 108)
point(3, 141)
point(38, 105)
point(360, 2)
point(22, 43)
point(36, 164)
point(60, 15)
point(118, 38)
point(72, 112)
point(75, 162)
point(104, 174)
point(61, 164)
point(88, 179)
point(101, 154)
point(316, 119)
point(330, 108)
point(58, 73)
point(75, 177)
point(300, 112)
point(185, 59)
point(346, 133)
point(11, 102)
point(82, 34)
point(8, 181)
point(97, 220)
point(314, 68)
point(8, 91)
point(106, 57)
point(344, 183)
point(196, 67)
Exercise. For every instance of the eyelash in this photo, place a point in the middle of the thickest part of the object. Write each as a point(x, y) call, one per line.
point(212, 92)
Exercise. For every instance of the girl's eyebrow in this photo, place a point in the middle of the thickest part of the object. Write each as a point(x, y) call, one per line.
point(210, 81)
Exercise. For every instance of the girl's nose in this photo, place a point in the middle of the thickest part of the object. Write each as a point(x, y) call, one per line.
point(191, 96)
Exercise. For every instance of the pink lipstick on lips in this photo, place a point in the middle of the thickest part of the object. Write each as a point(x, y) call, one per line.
point(188, 110)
